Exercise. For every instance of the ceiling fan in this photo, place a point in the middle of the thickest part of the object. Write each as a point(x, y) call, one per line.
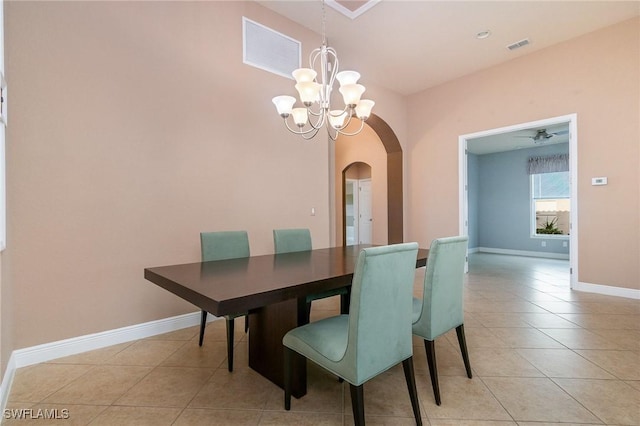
point(542, 135)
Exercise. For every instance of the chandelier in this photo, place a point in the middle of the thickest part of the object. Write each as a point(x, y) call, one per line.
point(314, 86)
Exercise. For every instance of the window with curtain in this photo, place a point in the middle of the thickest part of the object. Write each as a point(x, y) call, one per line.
point(550, 195)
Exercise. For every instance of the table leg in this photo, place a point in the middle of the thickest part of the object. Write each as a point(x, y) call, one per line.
point(267, 327)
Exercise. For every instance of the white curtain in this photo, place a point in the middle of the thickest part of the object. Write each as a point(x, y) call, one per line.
point(548, 164)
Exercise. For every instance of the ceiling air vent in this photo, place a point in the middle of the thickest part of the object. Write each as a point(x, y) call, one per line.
point(518, 44)
point(269, 50)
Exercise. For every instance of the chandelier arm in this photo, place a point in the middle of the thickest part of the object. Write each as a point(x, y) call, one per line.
point(315, 114)
point(331, 132)
point(300, 132)
point(313, 56)
point(332, 136)
point(352, 133)
point(345, 109)
point(306, 137)
point(320, 122)
point(336, 66)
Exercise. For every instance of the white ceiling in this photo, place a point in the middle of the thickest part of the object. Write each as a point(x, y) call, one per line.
point(520, 139)
point(409, 46)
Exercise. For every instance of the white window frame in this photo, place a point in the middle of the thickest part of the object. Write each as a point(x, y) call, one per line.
point(532, 215)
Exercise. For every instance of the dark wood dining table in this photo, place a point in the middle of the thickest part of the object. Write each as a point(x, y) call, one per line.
point(272, 288)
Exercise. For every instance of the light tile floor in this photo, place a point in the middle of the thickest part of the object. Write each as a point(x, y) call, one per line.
point(540, 354)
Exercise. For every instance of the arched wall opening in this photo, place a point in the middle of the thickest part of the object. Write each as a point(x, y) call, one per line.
point(378, 146)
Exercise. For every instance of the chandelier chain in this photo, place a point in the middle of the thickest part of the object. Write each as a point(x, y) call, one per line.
point(324, 19)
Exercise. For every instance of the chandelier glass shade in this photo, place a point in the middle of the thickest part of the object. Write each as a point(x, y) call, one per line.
point(314, 86)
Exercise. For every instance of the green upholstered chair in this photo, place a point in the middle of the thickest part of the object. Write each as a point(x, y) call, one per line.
point(375, 336)
point(441, 308)
point(294, 240)
point(221, 246)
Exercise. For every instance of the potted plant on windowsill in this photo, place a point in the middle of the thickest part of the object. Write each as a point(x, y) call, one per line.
point(549, 228)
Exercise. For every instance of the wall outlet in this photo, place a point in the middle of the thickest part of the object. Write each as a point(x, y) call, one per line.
point(544, 244)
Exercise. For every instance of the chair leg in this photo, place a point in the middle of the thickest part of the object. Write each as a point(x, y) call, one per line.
point(246, 323)
point(357, 404)
point(287, 378)
point(345, 300)
point(433, 368)
point(308, 318)
point(203, 323)
point(409, 375)
point(304, 310)
point(463, 348)
point(230, 324)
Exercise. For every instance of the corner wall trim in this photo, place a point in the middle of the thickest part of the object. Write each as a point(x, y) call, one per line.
point(61, 348)
point(630, 293)
point(7, 381)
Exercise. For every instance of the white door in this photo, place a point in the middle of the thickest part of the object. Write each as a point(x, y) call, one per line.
point(351, 211)
point(365, 219)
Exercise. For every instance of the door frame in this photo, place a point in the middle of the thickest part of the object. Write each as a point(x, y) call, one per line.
point(360, 181)
point(356, 205)
point(571, 120)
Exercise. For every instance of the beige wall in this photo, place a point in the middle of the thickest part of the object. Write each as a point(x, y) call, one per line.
point(595, 76)
point(134, 126)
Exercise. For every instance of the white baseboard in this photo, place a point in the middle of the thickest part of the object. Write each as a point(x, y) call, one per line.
point(630, 293)
point(53, 350)
point(563, 256)
point(89, 342)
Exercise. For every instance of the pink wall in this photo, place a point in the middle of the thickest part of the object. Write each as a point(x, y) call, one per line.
point(595, 76)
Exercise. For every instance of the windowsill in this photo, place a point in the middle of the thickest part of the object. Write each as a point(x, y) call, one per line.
point(551, 236)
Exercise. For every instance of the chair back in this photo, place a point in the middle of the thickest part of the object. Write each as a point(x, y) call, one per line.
point(291, 240)
point(380, 310)
point(224, 245)
point(442, 302)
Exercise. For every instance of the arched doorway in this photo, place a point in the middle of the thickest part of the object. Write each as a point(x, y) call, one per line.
point(393, 176)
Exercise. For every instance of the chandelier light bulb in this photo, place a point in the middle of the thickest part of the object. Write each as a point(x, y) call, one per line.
point(304, 75)
point(363, 109)
point(337, 118)
point(299, 116)
point(351, 94)
point(284, 104)
point(308, 92)
point(348, 77)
